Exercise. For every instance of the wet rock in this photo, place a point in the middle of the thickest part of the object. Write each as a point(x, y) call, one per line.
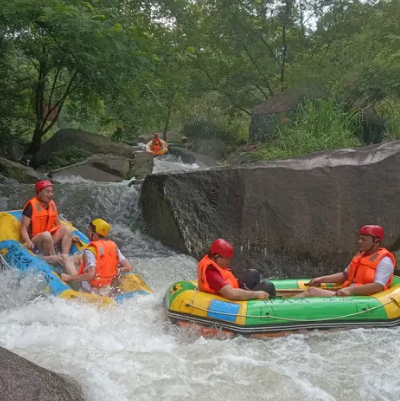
point(294, 217)
point(109, 168)
point(22, 380)
point(12, 149)
point(215, 148)
point(141, 165)
point(71, 138)
point(18, 172)
point(97, 168)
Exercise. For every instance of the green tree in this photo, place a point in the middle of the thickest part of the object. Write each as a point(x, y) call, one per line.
point(72, 47)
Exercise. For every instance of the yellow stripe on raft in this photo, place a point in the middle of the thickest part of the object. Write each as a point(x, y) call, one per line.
point(390, 299)
point(184, 300)
point(10, 227)
point(88, 297)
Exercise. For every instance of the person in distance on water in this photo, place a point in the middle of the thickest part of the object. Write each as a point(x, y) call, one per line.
point(214, 276)
point(101, 259)
point(40, 224)
point(370, 271)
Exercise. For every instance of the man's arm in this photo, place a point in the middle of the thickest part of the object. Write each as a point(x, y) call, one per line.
point(124, 262)
point(367, 289)
point(337, 278)
point(88, 276)
point(25, 223)
point(383, 273)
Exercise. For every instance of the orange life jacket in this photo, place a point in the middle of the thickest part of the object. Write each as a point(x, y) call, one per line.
point(107, 260)
point(363, 268)
point(42, 219)
point(156, 145)
point(226, 274)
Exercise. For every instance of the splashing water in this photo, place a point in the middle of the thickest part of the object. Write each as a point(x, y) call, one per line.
point(132, 352)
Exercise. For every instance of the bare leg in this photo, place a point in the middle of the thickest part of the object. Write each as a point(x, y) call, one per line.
point(68, 265)
point(63, 234)
point(315, 292)
point(53, 260)
point(44, 242)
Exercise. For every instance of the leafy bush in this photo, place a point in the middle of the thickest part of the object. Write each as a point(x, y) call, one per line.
point(389, 109)
point(317, 126)
point(67, 157)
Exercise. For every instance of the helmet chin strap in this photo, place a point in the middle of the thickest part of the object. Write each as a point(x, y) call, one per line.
point(370, 247)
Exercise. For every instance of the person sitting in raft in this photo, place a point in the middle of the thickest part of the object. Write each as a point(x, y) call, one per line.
point(370, 271)
point(215, 277)
point(40, 224)
point(101, 259)
point(156, 144)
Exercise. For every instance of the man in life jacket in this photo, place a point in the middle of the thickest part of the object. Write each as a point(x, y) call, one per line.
point(214, 276)
point(40, 224)
point(156, 144)
point(101, 259)
point(370, 271)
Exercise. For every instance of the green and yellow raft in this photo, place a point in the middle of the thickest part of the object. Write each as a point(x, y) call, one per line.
point(211, 314)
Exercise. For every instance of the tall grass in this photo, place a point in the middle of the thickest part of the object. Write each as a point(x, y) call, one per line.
point(389, 109)
point(317, 126)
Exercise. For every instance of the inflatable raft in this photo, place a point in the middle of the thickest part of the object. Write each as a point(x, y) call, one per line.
point(162, 151)
point(16, 255)
point(212, 314)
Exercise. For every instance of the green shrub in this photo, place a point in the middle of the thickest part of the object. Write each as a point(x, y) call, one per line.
point(317, 126)
point(389, 109)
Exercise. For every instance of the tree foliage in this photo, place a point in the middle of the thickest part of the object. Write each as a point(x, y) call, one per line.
point(149, 65)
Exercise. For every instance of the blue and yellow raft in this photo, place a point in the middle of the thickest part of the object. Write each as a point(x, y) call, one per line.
point(16, 255)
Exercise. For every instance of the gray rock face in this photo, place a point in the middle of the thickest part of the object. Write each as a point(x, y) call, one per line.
point(214, 147)
point(19, 172)
point(109, 168)
point(97, 168)
point(294, 217)
point(21, 380)
point(93, 143)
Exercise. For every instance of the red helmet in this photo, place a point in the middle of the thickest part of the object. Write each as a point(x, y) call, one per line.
point(42, 184)
point(222, 247)
point(373, 231)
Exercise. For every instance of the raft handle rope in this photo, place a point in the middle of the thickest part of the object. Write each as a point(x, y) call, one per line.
point(366, 310)
point(3, 262)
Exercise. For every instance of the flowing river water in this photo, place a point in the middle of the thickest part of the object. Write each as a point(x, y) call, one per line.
point(132, 352)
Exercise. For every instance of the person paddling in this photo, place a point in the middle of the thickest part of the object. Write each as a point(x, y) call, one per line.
point(215, 277)
point(370, 271)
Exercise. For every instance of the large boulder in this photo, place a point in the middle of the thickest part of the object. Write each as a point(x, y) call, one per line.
point(23, 380)
point(109, 168)
point(276, 110)
point(71, 138)
point(214, 147)
point(294, 217)
point(16, 171)
point(12, 149)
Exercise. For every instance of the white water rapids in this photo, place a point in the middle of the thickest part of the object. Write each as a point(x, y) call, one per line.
point(131, 352)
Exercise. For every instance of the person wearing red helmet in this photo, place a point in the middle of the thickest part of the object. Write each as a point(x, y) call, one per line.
point(40, 224)
point(370, 271)
point(215, 277)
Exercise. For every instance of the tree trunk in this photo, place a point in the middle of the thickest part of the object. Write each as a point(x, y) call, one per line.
point(164, 134)
point(36, 142)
